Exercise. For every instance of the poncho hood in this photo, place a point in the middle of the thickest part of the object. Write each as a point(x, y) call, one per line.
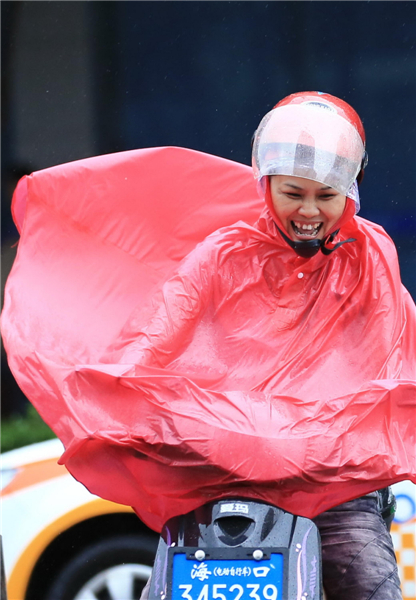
point(183, 352)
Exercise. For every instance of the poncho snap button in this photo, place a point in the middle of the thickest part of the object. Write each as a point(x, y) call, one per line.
point(300, 275)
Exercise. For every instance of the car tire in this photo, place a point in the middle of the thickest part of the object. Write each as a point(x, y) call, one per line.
point(113, 569)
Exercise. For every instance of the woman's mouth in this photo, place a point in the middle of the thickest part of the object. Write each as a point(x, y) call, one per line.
point(306, 230)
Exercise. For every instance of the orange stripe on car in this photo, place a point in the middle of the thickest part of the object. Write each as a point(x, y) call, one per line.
point(33, 473)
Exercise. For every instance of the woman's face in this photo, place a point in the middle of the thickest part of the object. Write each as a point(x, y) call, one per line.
point(307, 209)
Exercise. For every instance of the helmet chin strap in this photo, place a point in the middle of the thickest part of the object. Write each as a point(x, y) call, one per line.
point(305, 249)
point(308, 248)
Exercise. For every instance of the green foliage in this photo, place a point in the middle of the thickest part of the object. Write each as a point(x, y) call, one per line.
point(20, 430)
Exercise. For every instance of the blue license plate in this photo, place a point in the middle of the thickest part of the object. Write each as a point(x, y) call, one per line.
point(231, 579)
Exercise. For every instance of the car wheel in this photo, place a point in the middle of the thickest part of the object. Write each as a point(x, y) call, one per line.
point(114, 569)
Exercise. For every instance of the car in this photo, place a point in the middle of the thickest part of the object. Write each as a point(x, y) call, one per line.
point(60, 542)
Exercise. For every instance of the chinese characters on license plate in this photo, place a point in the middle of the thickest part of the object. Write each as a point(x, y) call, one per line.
point(227, 579)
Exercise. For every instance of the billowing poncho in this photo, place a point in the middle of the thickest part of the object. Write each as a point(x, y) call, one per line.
point(177, 369)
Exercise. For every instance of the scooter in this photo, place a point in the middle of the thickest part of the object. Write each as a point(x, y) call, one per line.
point(237, 549)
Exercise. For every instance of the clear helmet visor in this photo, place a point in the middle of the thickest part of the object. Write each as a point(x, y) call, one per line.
point(309, 140)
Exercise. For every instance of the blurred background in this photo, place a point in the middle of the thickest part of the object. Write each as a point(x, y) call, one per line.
point(86, 78)
point(91, 77)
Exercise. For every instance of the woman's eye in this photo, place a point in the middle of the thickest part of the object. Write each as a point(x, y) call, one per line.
point(327, 197)
point(292, 195)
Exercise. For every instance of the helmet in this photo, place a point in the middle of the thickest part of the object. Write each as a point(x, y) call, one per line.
point(316, 136)
point(342, 108)
point(312, 135)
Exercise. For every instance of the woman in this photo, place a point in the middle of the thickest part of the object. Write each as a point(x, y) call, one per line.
point(276, 362)
point(308, 154)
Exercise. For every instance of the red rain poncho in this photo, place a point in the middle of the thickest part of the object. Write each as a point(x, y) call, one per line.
point(243, 370)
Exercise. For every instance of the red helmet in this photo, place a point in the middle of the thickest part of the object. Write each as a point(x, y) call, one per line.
point(314, 135)
point(342, 108)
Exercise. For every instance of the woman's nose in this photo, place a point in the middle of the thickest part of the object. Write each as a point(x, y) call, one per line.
point(308, 209)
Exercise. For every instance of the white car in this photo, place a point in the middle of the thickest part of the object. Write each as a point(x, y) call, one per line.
point(62, 543)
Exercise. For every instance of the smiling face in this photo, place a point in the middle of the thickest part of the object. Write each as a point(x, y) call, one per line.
point(307, 209)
